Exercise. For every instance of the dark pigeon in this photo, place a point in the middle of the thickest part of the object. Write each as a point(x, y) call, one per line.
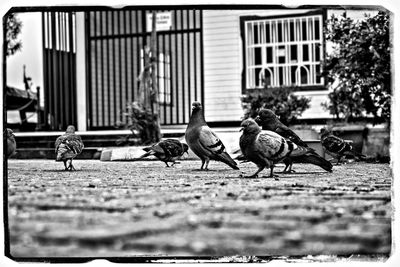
point(337, 147)
point(168, 150)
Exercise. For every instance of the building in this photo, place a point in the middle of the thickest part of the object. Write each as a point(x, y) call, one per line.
point(92, 58)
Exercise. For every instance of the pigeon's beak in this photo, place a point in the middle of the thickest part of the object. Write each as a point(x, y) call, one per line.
point(241, 129)
point(257, 119)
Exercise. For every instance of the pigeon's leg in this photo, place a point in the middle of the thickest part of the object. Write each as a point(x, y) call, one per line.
point(202, 164)
point(338, 160)
point(166, 163)
point(254, 175)
point(175, 162)
point(65, 165)
point(288, 168)
point(271, 174)
point(71, 167)
point(206, 167)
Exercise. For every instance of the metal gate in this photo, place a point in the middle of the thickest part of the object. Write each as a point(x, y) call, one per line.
point(115, 42)
point(59, 61)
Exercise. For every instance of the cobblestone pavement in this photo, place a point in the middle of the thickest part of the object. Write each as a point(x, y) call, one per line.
point(127, 209)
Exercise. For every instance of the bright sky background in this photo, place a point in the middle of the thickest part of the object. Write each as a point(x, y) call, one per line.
point(30, 55)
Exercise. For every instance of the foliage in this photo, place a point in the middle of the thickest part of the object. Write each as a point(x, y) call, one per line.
point(13, 27)
point(359, 67)
point(141, 122)
point(282, 101)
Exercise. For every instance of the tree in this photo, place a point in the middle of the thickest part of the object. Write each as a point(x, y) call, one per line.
point(280, 100)
point(359, 67)
point(13, 29)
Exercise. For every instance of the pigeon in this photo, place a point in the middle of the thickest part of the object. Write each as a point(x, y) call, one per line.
point(168, 150)
point(11, 144)
point(68, 146)
point(204, 142)
point(269, 121)
point(337, 147)
point(265, 148)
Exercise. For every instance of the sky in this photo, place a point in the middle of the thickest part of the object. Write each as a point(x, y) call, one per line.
point(30, 55)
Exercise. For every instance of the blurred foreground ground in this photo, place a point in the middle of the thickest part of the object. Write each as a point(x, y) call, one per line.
point(128, 209)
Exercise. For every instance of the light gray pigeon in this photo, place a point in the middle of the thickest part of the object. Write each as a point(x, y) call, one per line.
point(68, 146)
point(204, 142)
point(11, 144)
point(264, 148)
point(269, 121)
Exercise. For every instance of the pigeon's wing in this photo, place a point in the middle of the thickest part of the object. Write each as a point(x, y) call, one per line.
point(172, 147)
point(336, 145)
point(58, 142)
point(210, 142)
point(74, 143)
point(288, 133)
point(270, 145)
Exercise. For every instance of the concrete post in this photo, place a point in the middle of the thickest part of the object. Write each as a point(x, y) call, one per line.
point(81, 72)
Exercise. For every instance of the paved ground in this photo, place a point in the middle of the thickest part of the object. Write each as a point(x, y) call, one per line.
point(124, 209)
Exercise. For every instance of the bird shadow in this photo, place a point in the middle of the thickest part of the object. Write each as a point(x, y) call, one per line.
point(77, 170)
point(301, 173)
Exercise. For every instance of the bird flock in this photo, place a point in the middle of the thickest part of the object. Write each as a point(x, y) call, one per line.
point(265, 141)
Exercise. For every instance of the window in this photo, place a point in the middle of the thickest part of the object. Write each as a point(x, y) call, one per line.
point(164, 76)
point(283, 52)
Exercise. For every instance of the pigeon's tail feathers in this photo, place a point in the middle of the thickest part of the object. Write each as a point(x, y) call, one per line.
point(148, 153)
point(225, 158)
point(317, 160)
point(147, 149)
point(357, 154)
point(296, 150)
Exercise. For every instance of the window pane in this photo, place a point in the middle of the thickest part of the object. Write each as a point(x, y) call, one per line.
point(316, 28)
point(257, 56)
point(304, 75)
point(318, 73)
point(267, 77)
point(269, 55)
point(304, 30)
point(293, 53)
point(280, 75)
point(291, 30)
point(293, 74)
point(306, 56)
point(258, 77)
point(317, 52)
point(281, 54)
point(255, 33)
point(268, 32)
point(280, 36)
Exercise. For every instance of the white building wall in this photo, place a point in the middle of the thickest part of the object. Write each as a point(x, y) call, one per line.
point(223, 63)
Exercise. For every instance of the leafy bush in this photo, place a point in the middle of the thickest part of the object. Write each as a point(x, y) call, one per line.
point(141, 122)
point(359, 67)
point(13, 26)
point(280, 100)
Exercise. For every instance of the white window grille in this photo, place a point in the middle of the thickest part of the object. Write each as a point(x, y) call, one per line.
point(163, 77)
point(283, 52)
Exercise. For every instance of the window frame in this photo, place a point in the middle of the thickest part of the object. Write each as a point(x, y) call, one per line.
point(244, 19)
